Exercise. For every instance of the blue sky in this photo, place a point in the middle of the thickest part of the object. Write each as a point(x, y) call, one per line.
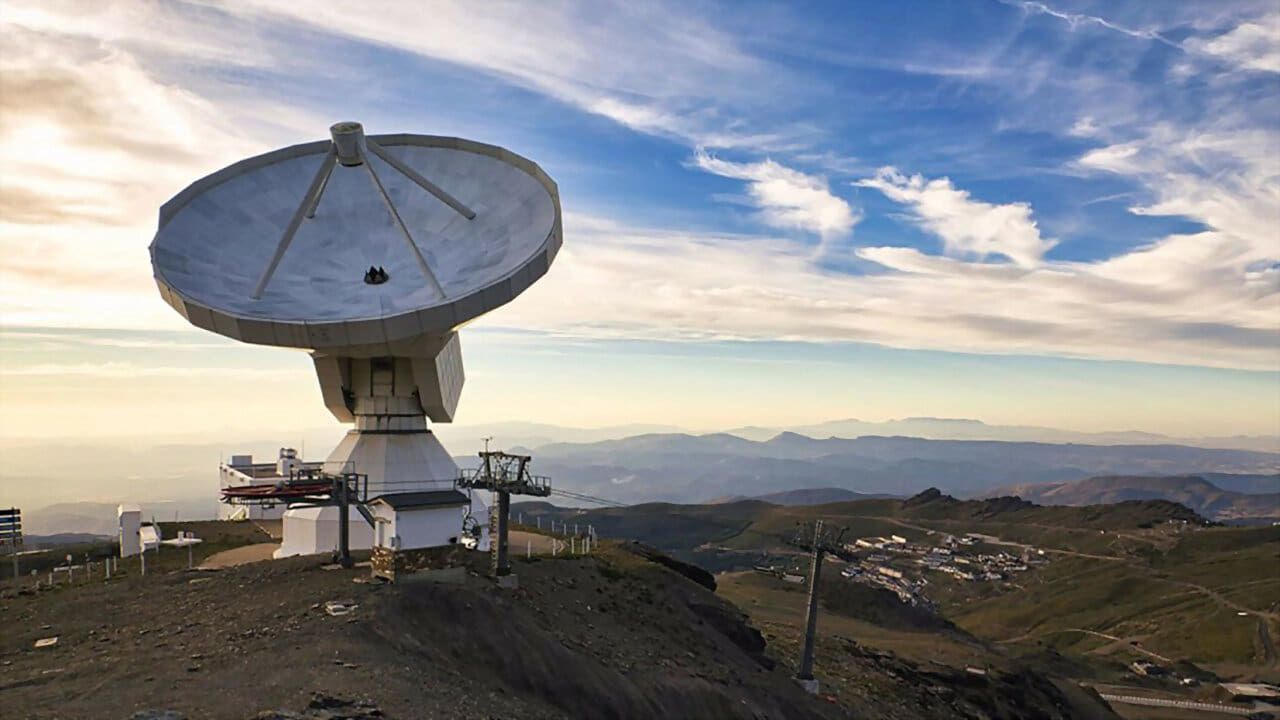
point(1053, 213)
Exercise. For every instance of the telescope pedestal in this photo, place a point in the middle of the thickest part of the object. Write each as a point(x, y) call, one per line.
point(388, 392)
point(395, 462)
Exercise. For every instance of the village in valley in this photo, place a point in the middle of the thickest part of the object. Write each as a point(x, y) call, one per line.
point(901, 566)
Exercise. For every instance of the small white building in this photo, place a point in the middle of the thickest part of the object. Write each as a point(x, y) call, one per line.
point(129, 522)
point(889, 572)
point(149, 536)
point(417, 520)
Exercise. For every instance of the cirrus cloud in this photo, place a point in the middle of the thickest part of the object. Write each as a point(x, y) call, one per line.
point(1253, 45)
point(787, 199)
point(967, 227)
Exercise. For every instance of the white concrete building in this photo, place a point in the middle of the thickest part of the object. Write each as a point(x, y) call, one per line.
point(412, 521)
point(314, 529)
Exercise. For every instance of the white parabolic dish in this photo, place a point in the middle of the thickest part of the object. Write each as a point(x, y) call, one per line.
point(217, 239)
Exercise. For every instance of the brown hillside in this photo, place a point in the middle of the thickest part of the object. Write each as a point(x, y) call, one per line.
point(607, 636)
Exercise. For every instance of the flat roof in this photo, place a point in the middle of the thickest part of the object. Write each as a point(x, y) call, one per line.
point(258, 471)
point(432, 498)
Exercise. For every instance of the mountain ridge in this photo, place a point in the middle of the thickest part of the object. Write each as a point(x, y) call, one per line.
point(682, 467)
point(1193, 491)
point(940, 428)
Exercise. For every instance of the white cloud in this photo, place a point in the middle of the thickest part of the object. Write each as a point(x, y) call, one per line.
point(78, 341)
point(657, 68)
point(1224, 175)
point(654, 67)
point(968, 227)
point(129, 370)
point(672, 285)
point(1085, 127)
point(1253, 45)
point(1117, 158)
point(787, 199)
point(93, 143)
point(171, 28)
point(88, 134)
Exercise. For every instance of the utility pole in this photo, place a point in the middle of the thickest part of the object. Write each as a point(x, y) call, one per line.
point(344, 522)
point(505, 475)
point(819, 542)
point(805, 675)
point(501, 565)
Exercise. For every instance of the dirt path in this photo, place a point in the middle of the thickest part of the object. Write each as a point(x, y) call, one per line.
point(1126, 642)
point(1218, 598)
point(240, 556)
point(520, 542)
point(1264, 638)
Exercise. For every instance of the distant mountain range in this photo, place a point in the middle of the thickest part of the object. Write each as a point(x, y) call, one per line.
point(467, 439)
point(697, 468)
point(639, 463)
point(803, 496)
point(1193, 491)
point(965, 429)
point(96, 518)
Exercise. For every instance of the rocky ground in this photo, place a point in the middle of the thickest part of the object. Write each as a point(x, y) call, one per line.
point(613, 635)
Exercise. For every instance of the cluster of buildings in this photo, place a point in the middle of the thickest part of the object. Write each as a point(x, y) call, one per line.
point(909, 590)
point(886, 561)
point(897, 564)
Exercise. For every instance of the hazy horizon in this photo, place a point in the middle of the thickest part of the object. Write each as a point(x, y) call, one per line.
point(182, 469)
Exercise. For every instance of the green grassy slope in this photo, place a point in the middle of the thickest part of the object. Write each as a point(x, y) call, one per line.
point(1147, 572)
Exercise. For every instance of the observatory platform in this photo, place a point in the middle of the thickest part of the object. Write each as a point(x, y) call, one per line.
point(241, 472)
point(368, 252)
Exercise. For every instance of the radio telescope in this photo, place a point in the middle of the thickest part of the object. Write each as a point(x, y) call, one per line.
point(369, 252)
